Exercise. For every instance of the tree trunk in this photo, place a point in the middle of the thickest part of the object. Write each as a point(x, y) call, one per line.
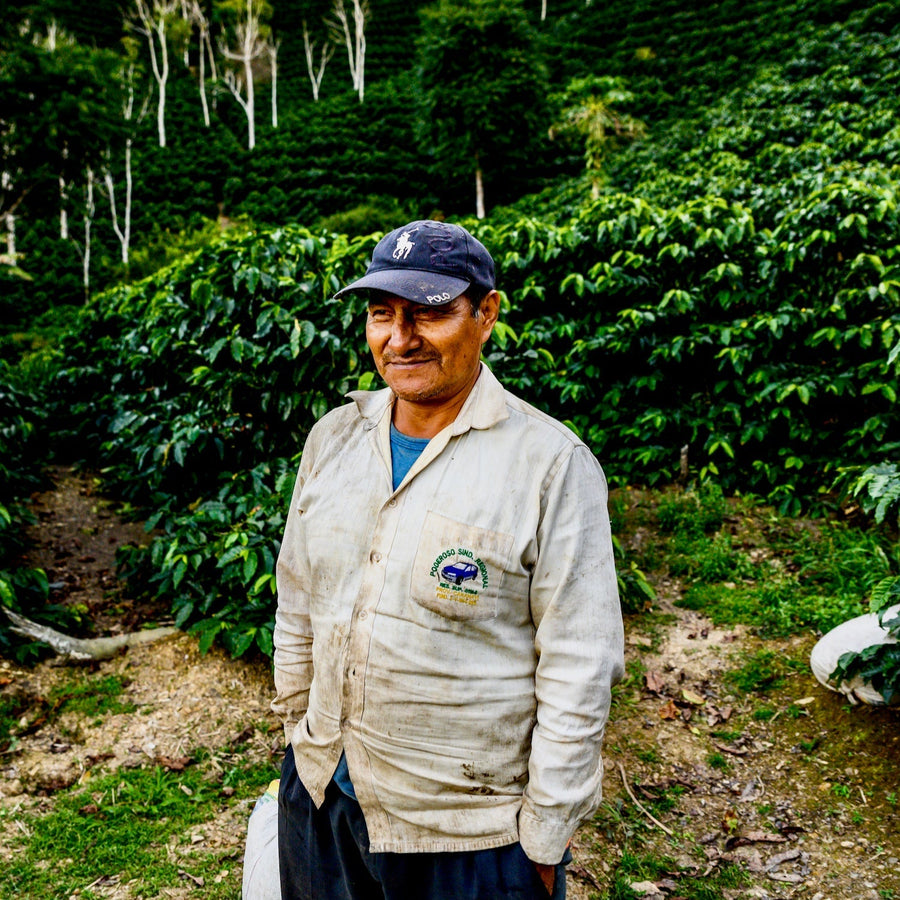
point(88, 221)
point(359, 20)
point(126, 243)
point(273, 62)
point(78, 650)
point(355, 42)
point(123, 231)
point(63, 212)
point(154, 29)
point(250, 107)
point(161, 80)
point(479, 192)
point(201, 76)
point(64, 200)
point(315, 77)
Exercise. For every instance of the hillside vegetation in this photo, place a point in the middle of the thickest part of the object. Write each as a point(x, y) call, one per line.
point(729, 301)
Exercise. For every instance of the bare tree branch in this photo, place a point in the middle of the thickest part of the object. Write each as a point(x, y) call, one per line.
point(315, 76)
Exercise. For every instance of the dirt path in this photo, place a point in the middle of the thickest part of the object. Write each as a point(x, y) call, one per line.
point(799, 790)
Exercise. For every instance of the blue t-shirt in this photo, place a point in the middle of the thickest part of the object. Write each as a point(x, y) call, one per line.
point(405, 450)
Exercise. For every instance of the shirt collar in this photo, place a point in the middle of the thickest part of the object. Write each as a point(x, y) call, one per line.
point(484, 407)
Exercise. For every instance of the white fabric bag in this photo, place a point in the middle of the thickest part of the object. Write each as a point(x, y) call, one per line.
point(261, 880)
point(852, 635)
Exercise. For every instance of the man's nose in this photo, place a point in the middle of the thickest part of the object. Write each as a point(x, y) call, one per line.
point(403, 333)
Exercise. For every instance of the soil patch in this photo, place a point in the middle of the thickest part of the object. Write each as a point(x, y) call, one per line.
point(792, 786)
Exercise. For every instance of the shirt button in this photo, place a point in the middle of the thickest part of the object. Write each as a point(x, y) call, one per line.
point(392, 502)
point(345, 724)
point(376, 556)
point(363, 614)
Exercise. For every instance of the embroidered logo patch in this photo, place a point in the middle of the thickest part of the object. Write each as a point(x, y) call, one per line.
point(460, 574)
point(403, 246)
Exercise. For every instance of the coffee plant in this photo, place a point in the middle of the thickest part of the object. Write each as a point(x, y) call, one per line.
point(731, 299)
point(22, 450)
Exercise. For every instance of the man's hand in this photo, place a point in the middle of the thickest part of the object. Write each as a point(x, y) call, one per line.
point(548, 875)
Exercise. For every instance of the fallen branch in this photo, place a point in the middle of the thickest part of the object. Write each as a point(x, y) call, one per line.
point(84, 649)
point(634, 800)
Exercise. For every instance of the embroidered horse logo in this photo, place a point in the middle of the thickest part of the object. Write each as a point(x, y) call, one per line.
point(403, 246)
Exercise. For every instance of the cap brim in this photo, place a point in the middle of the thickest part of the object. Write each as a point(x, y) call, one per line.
point(415, 285)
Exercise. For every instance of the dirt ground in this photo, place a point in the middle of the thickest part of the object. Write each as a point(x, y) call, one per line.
point(806, 802)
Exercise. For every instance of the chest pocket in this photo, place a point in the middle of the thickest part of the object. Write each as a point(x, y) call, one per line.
point(460, 569)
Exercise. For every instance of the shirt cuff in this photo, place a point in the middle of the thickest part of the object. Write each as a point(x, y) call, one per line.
point(543, 842)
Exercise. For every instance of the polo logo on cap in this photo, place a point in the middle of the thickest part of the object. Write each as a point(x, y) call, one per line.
point(403, 246)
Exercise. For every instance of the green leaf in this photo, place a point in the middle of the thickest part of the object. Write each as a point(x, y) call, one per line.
point(307, 333)
point(184, 613)
point(7, 594)
point(265, 641)
point(250, 565)
point(208, 631)
point(241, 642)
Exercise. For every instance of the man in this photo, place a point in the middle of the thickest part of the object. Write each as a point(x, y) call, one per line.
point(448, 625)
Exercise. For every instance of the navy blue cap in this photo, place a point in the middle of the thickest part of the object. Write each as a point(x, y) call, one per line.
point(427, 262)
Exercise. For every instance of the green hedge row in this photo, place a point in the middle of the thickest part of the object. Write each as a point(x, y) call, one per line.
point(767, 352)
point(23, 450)
point(741, 298)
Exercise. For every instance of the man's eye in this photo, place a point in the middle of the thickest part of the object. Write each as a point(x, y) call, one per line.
point(379, 314)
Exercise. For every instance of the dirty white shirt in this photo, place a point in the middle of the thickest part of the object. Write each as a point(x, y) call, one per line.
point(457, 637)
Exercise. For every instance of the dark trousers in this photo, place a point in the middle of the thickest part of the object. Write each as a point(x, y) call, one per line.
point(324, 855)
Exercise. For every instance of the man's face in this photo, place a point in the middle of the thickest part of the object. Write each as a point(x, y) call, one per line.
point(428, 354)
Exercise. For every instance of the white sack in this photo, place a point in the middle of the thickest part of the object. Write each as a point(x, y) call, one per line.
point(261, 880)
point(852, 635)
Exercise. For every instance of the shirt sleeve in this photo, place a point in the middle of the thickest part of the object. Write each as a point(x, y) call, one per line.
point(293, 631)
point(580, 645)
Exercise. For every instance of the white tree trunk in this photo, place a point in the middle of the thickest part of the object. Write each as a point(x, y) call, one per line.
point(206, 41)
point(63, 212)
point(354, 41)
point(360, 14)
point(543, 10)
point(162, 77)
point(9, 220)
point(315, 75)
point(153, 27)
point(187, 15)
point(88, 221)
point(272, 50)
point(479, 192)
point(250, 106)
point(195, 15)
point(129, 185)
point(250, 47)
point(201, 77)
point(123, 229)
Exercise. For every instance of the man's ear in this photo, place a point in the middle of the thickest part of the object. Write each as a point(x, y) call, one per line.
point(489, 311)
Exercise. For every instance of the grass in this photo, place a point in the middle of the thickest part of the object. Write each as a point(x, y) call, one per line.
point(738, 562)
point(130, 824)
point(134, 824)
point(641, 867)
point(742, 563)
point(90, 696)
point(763, 671)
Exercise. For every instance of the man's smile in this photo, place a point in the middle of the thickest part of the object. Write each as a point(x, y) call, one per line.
point(403, 362)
